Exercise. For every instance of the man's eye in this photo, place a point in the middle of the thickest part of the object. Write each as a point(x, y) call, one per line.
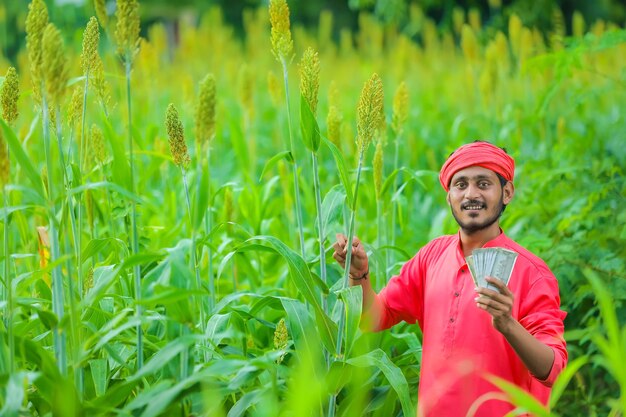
point(460, 185)
point(483, 184)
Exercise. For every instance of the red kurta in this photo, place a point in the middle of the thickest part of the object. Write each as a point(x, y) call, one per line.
point(460, 345)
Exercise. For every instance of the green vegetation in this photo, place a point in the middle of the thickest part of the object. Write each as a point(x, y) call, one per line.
point(178, 265)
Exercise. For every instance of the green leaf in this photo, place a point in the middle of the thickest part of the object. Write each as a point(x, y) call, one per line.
point(378, 359)
point(164, 355)
point(274, 160)
point(19, 154)
point(308, 126)
point(301, 275)
point(521, 398)
point(245, 402)
point(413, 176)
point(332, 207)
point(343, 171)
point(353, 300)
point(99, 375)
point(103, 278)
point(558, 388)
point(301, 327)
point(120, 167)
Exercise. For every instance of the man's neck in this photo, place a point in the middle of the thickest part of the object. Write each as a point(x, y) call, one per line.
point(476, 240)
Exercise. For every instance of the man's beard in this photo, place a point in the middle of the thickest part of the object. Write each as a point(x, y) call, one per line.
point(472, 227)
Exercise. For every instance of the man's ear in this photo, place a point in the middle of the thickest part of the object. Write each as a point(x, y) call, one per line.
point(448, 198)
point(508, 191)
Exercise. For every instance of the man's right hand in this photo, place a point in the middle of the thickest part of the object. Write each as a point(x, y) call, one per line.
point(358, 263)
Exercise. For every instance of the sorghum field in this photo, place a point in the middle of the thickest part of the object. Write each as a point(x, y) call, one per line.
point(171, 193)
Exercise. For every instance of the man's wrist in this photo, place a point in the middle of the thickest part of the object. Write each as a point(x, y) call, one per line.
point(362, 277)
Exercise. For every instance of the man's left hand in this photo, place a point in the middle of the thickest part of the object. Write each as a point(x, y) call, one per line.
point(498, 304)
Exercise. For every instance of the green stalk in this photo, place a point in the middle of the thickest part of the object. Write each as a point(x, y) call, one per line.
point(295, 160)
point(342, 318)
point(8, 283)
point(57, 278)
point(133, 219)
point(394, 206)
point(320, 227)
point(194, 261)
point(379, 237)
point(208, 224)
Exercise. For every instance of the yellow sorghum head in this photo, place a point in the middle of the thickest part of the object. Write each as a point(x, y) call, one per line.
point(369, 111)
point(474, 19)
point(101, 11)
point(54, 63)
point(558, 28)
point(100, 85)
point(333, 125)
point(205, 111)
point(176, 136)
point(310, 77)
point(378, 169)
point(400, 108)
point(282, 44)
point(36, 22)
point(127, 28)
point(246, 89)
point(275, 88)
point(515, 34)
point(89, 280)
point(578, 24)
point(495, 4)
point(469, 44)
point(458, 19)
point(281, 337)
point(96, 140)
point(9, 95)
point(91, 37)
point(75, 110)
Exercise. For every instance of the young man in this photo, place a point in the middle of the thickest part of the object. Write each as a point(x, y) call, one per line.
point(471, 334)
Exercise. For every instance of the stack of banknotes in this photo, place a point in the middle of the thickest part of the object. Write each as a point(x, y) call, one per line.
point(491, 262)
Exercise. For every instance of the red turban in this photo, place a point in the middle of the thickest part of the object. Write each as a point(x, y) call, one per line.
point(482, 154)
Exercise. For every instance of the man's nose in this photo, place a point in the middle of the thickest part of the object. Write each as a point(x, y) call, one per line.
point(472, 192)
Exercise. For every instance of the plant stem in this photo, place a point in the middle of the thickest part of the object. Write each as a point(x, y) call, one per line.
point(133, 219)
point(292, 149)
point(194, 261)
point(57, 278)
point(8, 282)
point(208, 224)
point(320, 226)
point(342, 316)
point(394, 206)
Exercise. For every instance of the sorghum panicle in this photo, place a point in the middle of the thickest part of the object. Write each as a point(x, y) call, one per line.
point(310, 78)
point(9, 96)
point(400, 108)
point(54, 64)
point(91, 38)
point(205, 111)
point(36, 22)
point(127, 28)
point(282, 44)
point(369, 111)
point(96, 141)
point(101, 11)
point(176, 137)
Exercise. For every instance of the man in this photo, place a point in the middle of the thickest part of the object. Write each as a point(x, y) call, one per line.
point(471, 334)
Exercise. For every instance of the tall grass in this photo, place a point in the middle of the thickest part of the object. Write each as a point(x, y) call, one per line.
point(279, 338)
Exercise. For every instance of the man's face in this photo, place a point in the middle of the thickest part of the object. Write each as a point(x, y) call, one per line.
point(476, 198)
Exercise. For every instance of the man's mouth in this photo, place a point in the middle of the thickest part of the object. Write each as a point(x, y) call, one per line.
point(473, 205)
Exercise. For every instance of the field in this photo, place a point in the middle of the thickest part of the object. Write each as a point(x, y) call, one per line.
point(170, 202)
